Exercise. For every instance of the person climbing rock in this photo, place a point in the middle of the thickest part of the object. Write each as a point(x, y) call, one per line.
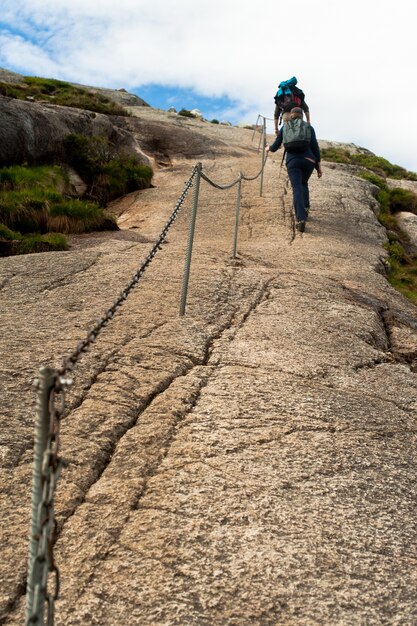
point(287, 97)
point(302, 154)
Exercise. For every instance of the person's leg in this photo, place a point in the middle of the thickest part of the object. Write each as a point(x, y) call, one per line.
point(295, 174)
point(307, 170)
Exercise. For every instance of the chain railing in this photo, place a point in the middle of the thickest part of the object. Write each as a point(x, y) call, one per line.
point(51, 388)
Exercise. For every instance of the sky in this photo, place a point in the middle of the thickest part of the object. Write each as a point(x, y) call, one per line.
point(354, 60)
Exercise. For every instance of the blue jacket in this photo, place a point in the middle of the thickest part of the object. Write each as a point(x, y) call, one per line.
point(313, 152)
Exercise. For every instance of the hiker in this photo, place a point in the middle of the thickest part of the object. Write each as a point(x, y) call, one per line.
point(287, 97)
point(302, 158)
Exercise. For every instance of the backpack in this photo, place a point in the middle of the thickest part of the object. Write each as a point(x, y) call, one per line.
point(288, 95)
point(296, 135)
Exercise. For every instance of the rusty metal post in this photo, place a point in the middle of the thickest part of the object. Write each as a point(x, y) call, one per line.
point(190, 241)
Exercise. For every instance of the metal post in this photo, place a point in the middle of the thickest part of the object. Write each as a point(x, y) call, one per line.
point(261, 133)
point(190, 241)
point(263, 155)
point(35, 609)
point(255, 129)
point(239, 188)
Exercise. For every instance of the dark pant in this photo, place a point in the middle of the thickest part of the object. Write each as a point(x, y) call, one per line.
point(299, 170)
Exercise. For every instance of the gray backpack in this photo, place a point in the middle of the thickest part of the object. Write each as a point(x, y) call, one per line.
point(296, 135)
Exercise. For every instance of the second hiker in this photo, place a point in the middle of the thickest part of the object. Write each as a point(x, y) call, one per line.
point(302, 158)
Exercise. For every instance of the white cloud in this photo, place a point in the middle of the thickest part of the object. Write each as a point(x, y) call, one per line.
point(354, 61)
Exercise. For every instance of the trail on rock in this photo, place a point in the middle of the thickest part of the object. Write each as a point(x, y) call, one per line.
point(250, 463)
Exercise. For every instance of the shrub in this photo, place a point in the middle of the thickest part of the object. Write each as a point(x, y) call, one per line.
point(374, 179)
point(215, 121)
point(31, 204)
point(79, 216)
point(10, 235)
point(396, 252)
point(402, 200)
point(186, 113)
point(42, 243)
point(22, 177)
point(108, 175)
point(377, 164)
point(337, 155)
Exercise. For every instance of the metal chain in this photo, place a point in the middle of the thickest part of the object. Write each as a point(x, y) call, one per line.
point(235, 182)
point(44, 526)
point(70, 361)
point(45, 535)
point(216, 185)
point(258, 174)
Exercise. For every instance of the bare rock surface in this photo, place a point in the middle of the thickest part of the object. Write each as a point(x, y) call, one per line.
point(250, 463)
point(34, 132)
point(408, 222)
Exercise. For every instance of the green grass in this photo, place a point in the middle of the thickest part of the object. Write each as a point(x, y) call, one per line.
point(17, 177)
point(61, 93)
point(35, 210)
point(107, 174)
point(42, 243)
point(403, 277)
point(186, 113)
point(376, 164)
point(9, 235)
point(402, 261)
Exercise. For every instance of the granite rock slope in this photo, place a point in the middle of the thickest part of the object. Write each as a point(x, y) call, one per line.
point(250, 463)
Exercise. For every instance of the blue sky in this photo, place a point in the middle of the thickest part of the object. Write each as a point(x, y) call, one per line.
point(355, 62)
point(163, 97)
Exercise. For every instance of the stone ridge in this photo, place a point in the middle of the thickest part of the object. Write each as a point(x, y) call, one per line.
point(121, 96)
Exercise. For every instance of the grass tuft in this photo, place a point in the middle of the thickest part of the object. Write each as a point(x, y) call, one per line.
point(34, 212)
point(376, 164)
point(61, 93)
point(108, 175)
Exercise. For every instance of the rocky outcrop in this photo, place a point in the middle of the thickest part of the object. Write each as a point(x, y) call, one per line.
point(408, 222)
point(34, 132)
point(120, 96)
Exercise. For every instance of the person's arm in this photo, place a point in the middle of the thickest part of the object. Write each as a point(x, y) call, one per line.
point(306, 110)
point(315, 148)
point(276, 118)
point(277, 143)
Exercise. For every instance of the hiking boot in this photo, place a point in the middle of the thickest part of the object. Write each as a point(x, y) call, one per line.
point(300, 226)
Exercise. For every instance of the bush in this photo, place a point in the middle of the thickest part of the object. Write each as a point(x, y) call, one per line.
point(374, 179)
point(370, 161)
point(10, 235)
point(186, 113)
point(42, 243)
point(396, 252)
point(107, 174)
point(31, 204)
point(79, 216)
point(215, 121)
point(402, 200)
point(18, 177)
